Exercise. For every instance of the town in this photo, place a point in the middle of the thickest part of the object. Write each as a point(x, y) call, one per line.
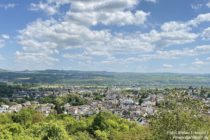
point(134, 104)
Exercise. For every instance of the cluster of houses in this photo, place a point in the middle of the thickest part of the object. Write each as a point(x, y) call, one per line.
point(10, 109)
point(124, 105)
point(46, 109)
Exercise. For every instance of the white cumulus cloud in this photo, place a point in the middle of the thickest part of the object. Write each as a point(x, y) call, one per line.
point(168, 66)
point(72, 36)
point(3, 40)
point(208, 4)
point(206, 34)
point(7, 6)
point(197, 62)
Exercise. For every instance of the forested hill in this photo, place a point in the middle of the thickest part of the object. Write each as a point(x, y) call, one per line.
point(102, 78)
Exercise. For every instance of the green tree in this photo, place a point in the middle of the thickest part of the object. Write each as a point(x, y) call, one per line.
point(180, 114)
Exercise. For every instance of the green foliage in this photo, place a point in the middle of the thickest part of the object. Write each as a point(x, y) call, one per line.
point(30, 125)
point(5, 119)
point(101, 135)
point(72, 99)
point(82, 136)
point(13, 131)
point(51, 131)
point(24, 117)
point(181, 115)
point(98, 96)
point(75, 100)
point(140, 101)
point(108, 126)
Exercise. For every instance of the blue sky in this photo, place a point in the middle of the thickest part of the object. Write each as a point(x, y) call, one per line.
point(106, 35)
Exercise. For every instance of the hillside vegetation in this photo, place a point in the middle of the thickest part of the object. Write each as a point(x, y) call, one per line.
point(107, 78)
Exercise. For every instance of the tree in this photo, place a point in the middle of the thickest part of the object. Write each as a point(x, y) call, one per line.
point(183, 114)
point(23, 117)
point(82, 136)
point(140, 101)
point(49, 131)
point(101, 135)
point(12, 131)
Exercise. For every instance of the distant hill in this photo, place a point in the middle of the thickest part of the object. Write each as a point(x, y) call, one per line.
point(102, 78)
point(3, 70)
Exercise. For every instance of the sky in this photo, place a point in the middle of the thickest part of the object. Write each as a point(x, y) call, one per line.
point(106, 35)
